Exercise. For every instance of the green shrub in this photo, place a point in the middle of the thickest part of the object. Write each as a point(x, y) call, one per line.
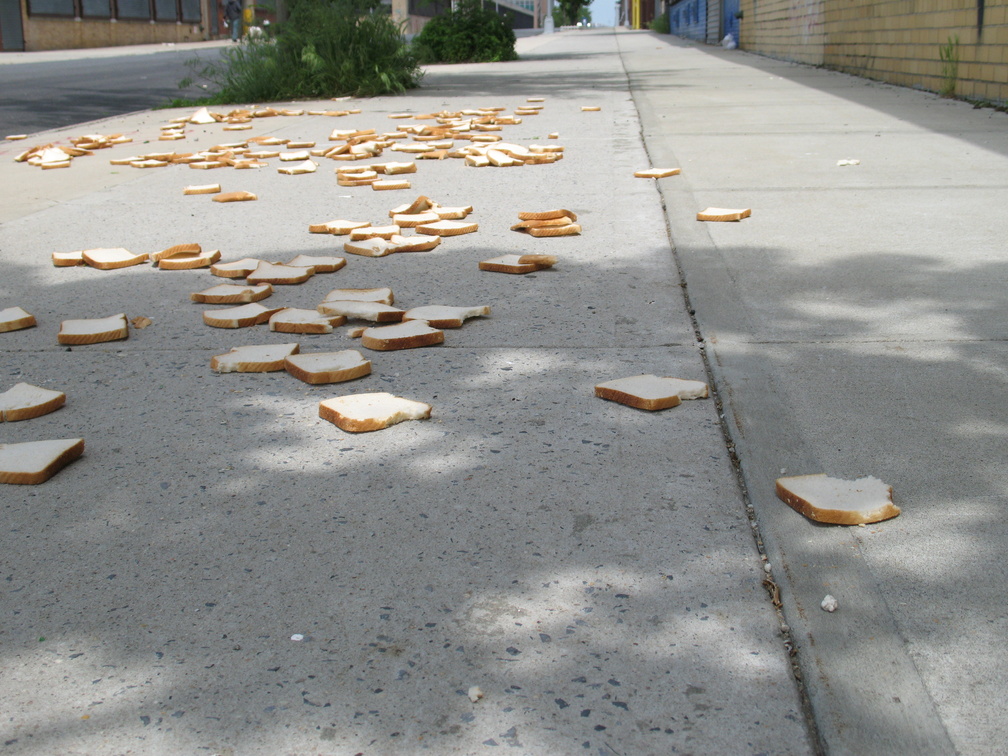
point(660, 23)
point(469, 34)
point(327, 48)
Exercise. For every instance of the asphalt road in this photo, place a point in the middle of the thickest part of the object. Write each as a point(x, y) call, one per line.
point(47, 95)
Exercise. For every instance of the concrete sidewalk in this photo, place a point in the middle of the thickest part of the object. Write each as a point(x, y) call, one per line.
point(592, 568)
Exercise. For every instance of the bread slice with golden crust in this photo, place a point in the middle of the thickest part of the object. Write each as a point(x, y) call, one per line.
point(23, 402)
point(723, 214)
point(382, 294)
point(337, 227)
point(34, 462)
point(93, 330)
point(232, 294)
point(376, 312)
point(836, 501)
point(235, 268)
point(112, 258)
point(279, 274)
point(547, 215)
point(447, 228)
point(328, 367)
point(176, 249)
point(657, 173)
point(189, 260)
point(376, 247)
point(650, 392)
point(327, 264)
point(360, 413)
point(445, 316)
point(409, 335)
point(242, 316)
point(68, 259)
point(254, 358)
point(233, 196)
point(295, 320)
point(518, 264)
point(15, 319)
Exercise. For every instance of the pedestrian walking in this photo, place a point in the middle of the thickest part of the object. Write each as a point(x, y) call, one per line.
point(233, 15)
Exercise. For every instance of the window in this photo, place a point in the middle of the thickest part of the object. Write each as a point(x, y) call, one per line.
point(128, 10)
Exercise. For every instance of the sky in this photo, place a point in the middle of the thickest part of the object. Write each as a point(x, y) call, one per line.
point(604, 12)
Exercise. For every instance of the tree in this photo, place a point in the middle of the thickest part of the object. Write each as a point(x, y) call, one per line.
point(572, 11)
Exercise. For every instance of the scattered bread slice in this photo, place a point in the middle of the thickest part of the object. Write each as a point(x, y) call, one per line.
point(650, 392)
point(189, 260)
point(415, 219)
point(591, 108)
point(359, 413)
point(337, 227)
point(414, 243)
point(235, 268)
point(232, 294)
point(571, 229)
point(657, 173)
point(327, 264)
point(306, 166)
point(451, 213)
point(409, 335)
point(374, 232)
point(68, 259)
point(549, 223)
point(376, 247)
point(376, 312)
point(109, 259)
point(15, 319)
point(447, 228)
point(93, 330)
point(177, 249)
point(24, 402)
point(548, 215)
point(34, 462)
point(836, 501)
point(383, 295)
point(256, 358)
point(444, 316)
point(295, 320)
point(202, 189)
point(723, 214)
point(390, 185)
point(328, 367)
point(242, 316)
point(518, 264)
point(279, 274)
point(233, 196)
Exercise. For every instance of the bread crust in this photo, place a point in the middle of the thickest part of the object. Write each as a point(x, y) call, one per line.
point(300, 370)
point(632, 400)
point(232, 294)
point(22, 409)
point(189, 260)
point(884, 511)
point(330, 410)
point(420, 335)
point(221, 364)
point(15, 319)
point(74, 448)
point(114, 328)
point(723, 214)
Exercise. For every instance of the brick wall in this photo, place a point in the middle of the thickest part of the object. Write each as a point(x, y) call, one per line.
point(892, 40)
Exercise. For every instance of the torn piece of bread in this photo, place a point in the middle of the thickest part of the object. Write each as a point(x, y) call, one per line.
point(657, 173)
point(15, 319)
point(376, 312)
point(235, 268)
point(68, 259)
point(233, 196)
point(93, 330)
point(34, 462)
point(337, 227)
point(279, 274)
point(23, 402)
point(232, 294)
point(650, 392)
point(295, 320)
point(411, 335)
point(327, 264)
point(360, 413)
point(723, 214)
point(382, 294)
point(328, 367)
point(189, 260)
point(256, 358)
point(518, 264)
point(445, 316)
point(112, 258)
point(836, 501)
point(242, 316)
point(202, 189)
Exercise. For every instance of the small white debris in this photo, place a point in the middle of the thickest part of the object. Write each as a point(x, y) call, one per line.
point(474, 693)
point(297, 637)
point(767, 568)
point(847, 161)
point(829, 604)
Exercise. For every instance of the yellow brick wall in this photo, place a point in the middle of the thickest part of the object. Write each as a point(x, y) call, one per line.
point(891, 40)
point(66, 33)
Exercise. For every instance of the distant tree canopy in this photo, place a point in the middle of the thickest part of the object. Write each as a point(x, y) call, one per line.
point(572, 11)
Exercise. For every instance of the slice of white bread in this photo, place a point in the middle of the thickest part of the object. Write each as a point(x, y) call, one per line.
point(189, 260)
point(110, 259)
point(359, 413)
point(547, 223)
point(202, 189)
point(415, 243)
point(255, 358)
point(547, 215)
point(376, 247)
point(306, 166)
point(413, 220)
point(373, 232)
point(23, 402)
point(445, 316)
point(328, 367)
point(836, 501)
point(15, 319)
point(452, 213)
point(657, 173)
point(241, 316)
point(34, 462)
point(93, 330)
point(376, 312)
point(233, 196)
point(723, 214)
point(177, 249)
point(337, 227)
point(409, 335)
point(382, 294)
point(232, 294)
point(68, 259)
point(327, 264)
point(235, 268)
point(447, 228)
point(279, 274)
point(518, 263)
point(295, 320)
point(650, 392)
point(390, 185)
point(571, 229)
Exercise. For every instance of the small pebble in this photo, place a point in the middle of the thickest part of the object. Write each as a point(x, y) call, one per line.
point(829, 604)
point(297, 637)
